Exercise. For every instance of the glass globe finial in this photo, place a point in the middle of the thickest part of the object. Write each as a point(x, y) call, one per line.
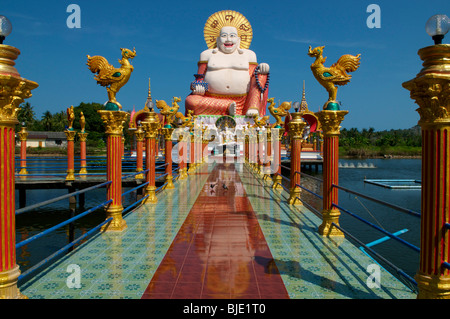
point(437, 27)
point(5, 28)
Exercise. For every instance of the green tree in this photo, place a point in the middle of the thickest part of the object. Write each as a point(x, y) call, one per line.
point(26, 114)
point(47, 121)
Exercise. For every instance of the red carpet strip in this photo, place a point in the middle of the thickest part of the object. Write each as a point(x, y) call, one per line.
point(220, 251)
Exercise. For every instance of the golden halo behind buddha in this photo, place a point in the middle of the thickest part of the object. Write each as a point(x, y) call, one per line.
point(227, 18)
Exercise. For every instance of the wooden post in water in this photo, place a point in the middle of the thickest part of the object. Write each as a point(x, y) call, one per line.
point(13, 90)
point(330, 121)
point(114, 121)
point(431, 91)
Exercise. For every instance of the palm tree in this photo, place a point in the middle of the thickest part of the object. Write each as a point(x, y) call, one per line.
point(26, 114)
point(47, 120)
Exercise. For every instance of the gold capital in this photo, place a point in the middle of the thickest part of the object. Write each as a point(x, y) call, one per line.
point(296, 126)
point(23, 134)
point(70, 135)
point(83, 137)
point(114, 121)
point(331, 121)
point(431, 87)
point(151, 125)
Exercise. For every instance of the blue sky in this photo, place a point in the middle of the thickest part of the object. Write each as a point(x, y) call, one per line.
point(168, 37)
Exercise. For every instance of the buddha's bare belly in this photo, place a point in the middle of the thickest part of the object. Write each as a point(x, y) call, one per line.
point(228, 81)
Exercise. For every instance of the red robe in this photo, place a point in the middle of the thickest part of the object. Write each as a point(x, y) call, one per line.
point(215, 104)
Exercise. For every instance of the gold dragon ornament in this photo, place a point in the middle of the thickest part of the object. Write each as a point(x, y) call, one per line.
point(168, 111)
point(110, 77)
point(330, 77)
point(278, 112)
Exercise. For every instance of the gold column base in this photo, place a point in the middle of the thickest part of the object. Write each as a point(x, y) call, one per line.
point(432, 286)
point(83, 171)
point(293, 197)
point(70, 175)
point(277, 179)
point(150, 192)
point(23, 171)
point(183, 173)
point(327, 229)
point(192, 168)
point(139, 176)
point(169, 184)
point(8, 284)
point(118, 224)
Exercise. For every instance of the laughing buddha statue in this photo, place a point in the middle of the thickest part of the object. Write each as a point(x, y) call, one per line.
point(229, 80)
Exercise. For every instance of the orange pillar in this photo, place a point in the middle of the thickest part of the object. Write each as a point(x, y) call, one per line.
point(296, 126)
point(268, 154)
point(330, 121)
point(23, 134)
point(430, 90)
point(83, 138)
point(13, 90)
point(151, 127)
point(114, 121)
point(70, 134)
point(140, 136)
point(168, 156)
point(277, 179)
point(192, 154)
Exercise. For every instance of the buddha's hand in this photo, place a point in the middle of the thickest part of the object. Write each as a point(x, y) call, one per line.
point(264, 68)
point(199, 89)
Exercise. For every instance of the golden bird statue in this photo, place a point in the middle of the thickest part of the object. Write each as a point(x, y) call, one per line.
point(260, 122)
point(187, 121)
point(336, 74)
point(110, 77)
point(278, 112)
point(168, 111)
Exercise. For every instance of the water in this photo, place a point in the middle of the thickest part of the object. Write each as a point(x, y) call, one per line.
point(36, 221)
point(384, 217)
point(31, 223)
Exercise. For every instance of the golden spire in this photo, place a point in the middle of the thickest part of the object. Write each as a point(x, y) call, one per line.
point(149, 103)
point(304, 104)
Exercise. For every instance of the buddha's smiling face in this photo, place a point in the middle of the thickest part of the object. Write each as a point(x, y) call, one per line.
point(228, 40)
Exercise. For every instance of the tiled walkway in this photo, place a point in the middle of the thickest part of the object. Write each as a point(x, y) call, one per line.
point(201, 241)
point(220, 251)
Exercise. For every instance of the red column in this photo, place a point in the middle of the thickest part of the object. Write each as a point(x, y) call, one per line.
point(70, 155)
point(296, 126)
point(14, 89)
point(430, 90)
point(168, 157)
point(23, 134)
point(330, 121)
point(151, 126)
point(267, 154)
point(114, 121)
point(7, 201)
point(330, 172)
point(140, 136)
point(277, 179)
point(83, 137)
